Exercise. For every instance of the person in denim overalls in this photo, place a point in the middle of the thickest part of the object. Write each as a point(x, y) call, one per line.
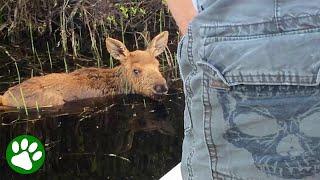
point(251, 78)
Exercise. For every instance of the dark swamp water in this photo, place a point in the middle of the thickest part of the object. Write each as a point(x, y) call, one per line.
point(123, 137)
point(127, 137)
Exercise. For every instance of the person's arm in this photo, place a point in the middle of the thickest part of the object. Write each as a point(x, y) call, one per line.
point(183, 12)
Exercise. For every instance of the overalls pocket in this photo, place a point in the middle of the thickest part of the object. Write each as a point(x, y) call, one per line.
point(277, 59)
point(262, 105)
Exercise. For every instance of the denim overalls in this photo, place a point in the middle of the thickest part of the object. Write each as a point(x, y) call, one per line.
point(251, 79)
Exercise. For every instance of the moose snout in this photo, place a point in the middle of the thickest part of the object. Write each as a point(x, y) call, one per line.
point(160, 88)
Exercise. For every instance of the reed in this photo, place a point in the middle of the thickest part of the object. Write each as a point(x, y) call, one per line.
point(21, 92)
point(49, 56)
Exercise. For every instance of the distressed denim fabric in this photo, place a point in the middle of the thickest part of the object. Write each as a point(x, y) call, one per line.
point(250, 70)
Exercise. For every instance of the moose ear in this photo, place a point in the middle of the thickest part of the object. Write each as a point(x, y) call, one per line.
point(159, 43)
point(116, 48)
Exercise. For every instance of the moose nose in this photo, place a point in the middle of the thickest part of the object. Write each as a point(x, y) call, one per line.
point(160, 89)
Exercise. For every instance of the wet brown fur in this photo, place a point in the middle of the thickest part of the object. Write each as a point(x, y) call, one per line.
point(59, 88)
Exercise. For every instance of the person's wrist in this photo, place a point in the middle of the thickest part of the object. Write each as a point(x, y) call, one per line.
point(183, 12)
point(183, 29)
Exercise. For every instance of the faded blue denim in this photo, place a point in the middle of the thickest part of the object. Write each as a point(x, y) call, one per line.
point(251, 79)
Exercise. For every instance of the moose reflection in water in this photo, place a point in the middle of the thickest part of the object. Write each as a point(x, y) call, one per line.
point(138, 73)
point(127, 137)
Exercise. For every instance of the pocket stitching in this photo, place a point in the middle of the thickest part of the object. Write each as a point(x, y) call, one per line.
point(211, 39)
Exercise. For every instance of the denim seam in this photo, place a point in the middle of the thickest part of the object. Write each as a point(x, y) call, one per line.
point(208, 123)
point(247, 93)
point(259, 75)
point(189, 166)
point(207, 120)
point(272, 83)
point(211, 39)
point(257, 23)
point(293, 32)
point(229, 177)
point(189, 95)
point(215, 70)
point(260, 79)
point(188, 129)
point(189, 48)
point(189, 76)
point(190, 59)
point(293, 94)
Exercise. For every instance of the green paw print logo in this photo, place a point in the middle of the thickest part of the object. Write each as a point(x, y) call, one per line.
point(25, 154)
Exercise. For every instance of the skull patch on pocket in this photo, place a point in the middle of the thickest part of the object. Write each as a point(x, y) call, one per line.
point(280, 128)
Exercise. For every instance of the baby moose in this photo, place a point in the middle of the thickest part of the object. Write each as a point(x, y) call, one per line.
point(138, 73)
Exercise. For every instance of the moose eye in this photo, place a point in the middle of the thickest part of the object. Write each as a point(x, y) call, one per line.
point(136, 71)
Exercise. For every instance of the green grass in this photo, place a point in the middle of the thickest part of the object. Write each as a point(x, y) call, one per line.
point(21, 92)
point(49, 56)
